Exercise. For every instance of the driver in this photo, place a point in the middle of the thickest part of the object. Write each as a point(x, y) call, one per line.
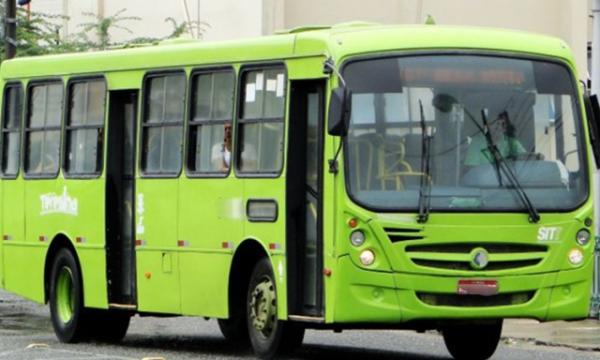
point(503, 136)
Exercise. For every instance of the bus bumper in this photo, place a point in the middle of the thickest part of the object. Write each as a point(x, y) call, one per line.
point(369, 297)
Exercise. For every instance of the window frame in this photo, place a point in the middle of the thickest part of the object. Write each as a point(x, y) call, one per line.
point(67, 127)
point(244, 69)
point(4, 130)
point(27, 129)
point(189, 121)
point(143, 125)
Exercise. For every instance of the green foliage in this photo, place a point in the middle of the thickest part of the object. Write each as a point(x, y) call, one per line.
point(101, 28)
point(39, 34)
point(179, 29)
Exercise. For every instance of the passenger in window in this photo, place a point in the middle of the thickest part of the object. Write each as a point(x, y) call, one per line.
point(221, 153)
point(248, 159)
point(503, 136)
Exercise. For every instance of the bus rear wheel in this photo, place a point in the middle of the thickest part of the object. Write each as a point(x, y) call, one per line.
point(69, 317)
point(269, 336)
point(475, 341)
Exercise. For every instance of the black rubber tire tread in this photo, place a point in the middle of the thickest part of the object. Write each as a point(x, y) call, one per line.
point(293, 337)
point(235, 330)
point(110, 326)
point(77, 328)
point(476, 341)
point(285, 337)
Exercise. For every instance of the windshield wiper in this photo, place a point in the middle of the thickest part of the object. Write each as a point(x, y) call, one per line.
point(501, 165)
point(425, 185)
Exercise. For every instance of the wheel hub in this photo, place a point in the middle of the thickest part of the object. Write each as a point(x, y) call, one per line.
point(65, 299)
point(263, 307)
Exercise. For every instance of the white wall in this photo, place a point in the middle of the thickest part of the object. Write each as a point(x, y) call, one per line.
point(226, 19)
point(566, 19)
point(230, 19)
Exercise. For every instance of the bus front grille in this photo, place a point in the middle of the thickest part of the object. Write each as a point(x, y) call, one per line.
point(460, 256)
point(456, 300)
point(404, 234)
point(465, 266)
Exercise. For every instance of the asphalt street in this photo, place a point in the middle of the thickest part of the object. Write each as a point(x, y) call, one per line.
point(26, 334)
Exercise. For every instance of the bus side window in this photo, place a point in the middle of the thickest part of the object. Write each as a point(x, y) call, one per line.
point(162, 126)
point(260, 149)
point(85, 124)
point(42, 132)
point(11, 128)
point(211, 114)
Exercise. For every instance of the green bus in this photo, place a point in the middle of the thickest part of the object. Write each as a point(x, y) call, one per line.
point(356, 176)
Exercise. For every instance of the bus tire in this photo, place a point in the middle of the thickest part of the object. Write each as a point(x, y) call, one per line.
point(476, 341)
point(69, 317)
point(269, 336)
point(234, 330)
point(110, 326)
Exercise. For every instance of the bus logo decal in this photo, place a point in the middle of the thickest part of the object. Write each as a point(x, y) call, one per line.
point(479, 258)
point(59, 204)
point(548, 233)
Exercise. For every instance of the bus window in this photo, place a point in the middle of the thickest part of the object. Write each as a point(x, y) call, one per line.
point(261, 121)
point(163, 124)
point(11, 126)
point(85, 124)
point(211, 117)
point(42, 134)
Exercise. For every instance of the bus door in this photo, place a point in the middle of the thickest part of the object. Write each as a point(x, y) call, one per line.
point(303, 196)
point(120, 180)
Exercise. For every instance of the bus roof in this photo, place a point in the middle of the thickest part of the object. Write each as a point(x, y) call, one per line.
point(339, 41)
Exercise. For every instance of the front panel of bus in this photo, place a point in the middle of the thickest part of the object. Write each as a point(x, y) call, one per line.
point(467, 189)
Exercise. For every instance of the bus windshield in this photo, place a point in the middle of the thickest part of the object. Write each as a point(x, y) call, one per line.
point(527, 109)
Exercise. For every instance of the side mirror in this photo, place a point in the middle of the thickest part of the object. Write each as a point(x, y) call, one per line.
point(592, 110)
point(339, 111)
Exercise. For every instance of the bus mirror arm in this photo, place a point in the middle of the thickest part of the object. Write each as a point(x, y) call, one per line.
point(592, 110)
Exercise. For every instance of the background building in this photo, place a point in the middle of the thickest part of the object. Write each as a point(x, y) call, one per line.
point(228, 19)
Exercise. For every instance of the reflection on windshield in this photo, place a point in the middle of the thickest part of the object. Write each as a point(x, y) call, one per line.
point(532, 120)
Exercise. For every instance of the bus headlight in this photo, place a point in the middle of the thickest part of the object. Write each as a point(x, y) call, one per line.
point(583, 237)
point(367, 257)
point(357, 238)
point(575, 257)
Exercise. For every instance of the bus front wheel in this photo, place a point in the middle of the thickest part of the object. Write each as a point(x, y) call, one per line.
point(476, 341)
point(269, 335)
point(69, 317)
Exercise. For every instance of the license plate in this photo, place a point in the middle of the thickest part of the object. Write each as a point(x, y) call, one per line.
point(477, 287)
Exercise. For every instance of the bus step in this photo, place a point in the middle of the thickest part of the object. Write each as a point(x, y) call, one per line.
point(122, 306)
point(309, 319)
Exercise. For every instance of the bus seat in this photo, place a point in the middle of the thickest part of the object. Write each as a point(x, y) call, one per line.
point(362, 155)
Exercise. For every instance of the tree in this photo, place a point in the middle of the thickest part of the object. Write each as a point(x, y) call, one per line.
point(102, 27)
point(38, 34)
point(186, 26)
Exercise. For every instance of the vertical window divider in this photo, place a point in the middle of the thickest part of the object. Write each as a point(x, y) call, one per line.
point(212, 98)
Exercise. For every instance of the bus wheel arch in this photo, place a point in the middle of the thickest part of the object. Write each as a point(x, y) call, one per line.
point(59, 242)
point(245, 258)
point(70, 319)
point(269, 335)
